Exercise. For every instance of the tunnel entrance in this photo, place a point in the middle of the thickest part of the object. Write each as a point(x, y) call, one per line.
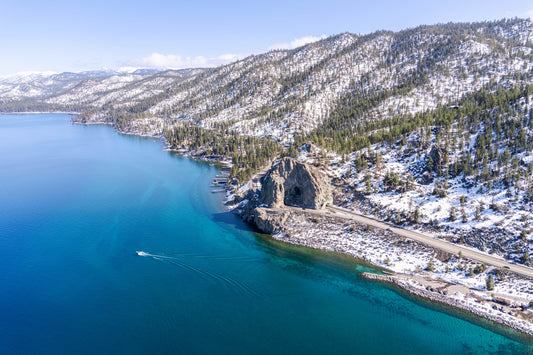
point(294, 197)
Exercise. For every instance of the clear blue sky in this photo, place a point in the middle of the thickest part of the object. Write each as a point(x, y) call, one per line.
point(78, 35)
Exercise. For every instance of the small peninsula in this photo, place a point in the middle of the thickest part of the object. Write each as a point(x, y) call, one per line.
point(292, 202)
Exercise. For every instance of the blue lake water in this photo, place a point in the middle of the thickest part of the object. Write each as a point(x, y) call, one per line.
point(77, 202)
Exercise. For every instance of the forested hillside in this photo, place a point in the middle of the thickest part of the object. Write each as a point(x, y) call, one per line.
point(345, 93)
point(363, 78)
point(431, 126)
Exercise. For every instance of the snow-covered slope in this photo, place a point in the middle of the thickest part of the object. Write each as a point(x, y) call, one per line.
point(381, 101)
point(85, 91)
point(41, 84)
point(283, 93)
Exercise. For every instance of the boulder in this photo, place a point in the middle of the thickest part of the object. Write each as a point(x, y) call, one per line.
point(270, 221)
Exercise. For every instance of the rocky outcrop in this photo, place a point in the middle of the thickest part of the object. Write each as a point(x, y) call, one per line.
point(270, 221)
point(292, 183)
point(287, 183)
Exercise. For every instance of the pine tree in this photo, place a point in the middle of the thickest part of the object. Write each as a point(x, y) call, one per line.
point(464, 219)
point(490, 283)
point(453, 218)
point(416, 215)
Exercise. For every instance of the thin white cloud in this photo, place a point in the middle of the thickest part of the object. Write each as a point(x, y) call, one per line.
point(171, 61)
point(298, 42)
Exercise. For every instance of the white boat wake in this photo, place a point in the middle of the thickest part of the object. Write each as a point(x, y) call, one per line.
point(228, 281)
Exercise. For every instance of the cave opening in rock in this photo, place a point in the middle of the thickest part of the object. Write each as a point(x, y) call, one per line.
point(294, 197)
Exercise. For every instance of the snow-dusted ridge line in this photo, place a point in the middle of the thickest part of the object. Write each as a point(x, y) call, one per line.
point(283, 93)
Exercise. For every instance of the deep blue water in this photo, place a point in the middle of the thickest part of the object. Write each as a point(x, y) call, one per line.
point(77, 202)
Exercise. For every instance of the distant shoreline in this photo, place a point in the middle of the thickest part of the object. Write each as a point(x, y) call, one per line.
point(40, 112)
point(102, 123)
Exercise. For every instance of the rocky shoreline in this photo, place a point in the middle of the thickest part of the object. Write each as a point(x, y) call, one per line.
point(492, 308)
point(522, 326)
point(422, 283)
point(292, 183)
point(417, 269)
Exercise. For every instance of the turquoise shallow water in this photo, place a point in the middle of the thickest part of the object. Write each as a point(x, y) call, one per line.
point(77, 202)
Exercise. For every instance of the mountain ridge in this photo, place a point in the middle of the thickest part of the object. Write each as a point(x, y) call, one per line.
point(429, 128)
point(285, 92)
point(297, 89)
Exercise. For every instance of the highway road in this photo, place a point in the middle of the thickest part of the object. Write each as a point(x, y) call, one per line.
point(426, 240)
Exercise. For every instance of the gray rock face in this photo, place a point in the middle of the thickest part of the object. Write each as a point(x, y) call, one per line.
point(291, 183)
point(287, 183)
point(270, 221)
